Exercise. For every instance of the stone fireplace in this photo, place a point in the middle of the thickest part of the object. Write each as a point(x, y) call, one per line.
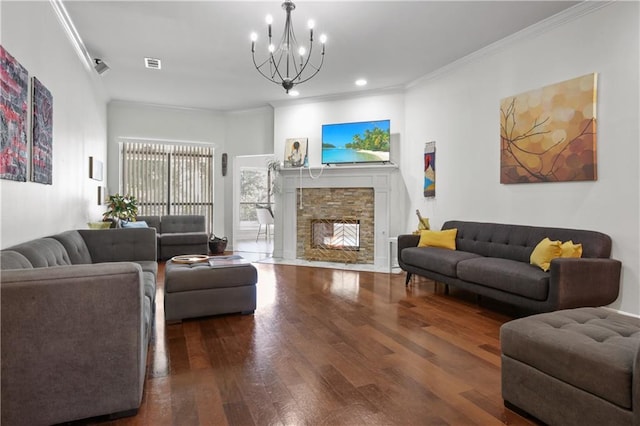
point(336, 225)
point(347, 194)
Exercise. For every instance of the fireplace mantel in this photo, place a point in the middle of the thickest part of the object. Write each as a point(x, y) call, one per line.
point(376, 176)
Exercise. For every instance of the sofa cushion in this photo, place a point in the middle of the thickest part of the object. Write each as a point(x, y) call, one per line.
point(200, 276)
point(75, 246)
point(506, 275)
point(10, 259)
point(592, 349)
point(442, 261)
point(186, 238)
point(120, 245)
point(181, 223)
point(43, 252)
point(149, 281)
point(148, 266)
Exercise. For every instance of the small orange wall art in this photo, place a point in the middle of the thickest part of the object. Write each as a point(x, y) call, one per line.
point(549, 134)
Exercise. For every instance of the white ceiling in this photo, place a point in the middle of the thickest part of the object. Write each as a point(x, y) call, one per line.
point(205, 48)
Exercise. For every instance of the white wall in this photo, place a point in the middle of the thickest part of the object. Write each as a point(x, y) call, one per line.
point(30, 32)
point(236, 133)
point(459, 109)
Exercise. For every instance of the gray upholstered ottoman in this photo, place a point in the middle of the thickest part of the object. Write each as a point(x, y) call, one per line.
point(196, 290)
point(573, 367)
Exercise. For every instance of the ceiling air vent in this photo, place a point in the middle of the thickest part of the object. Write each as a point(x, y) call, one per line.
point(152, 63)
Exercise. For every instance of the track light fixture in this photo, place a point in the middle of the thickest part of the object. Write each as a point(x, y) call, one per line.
point(100, 66)
point(288, 63)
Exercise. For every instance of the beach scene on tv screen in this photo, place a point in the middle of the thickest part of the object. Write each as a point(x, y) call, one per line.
point(356, 142)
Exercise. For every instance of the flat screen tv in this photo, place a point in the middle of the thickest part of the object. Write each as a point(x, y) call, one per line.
point(361, 142)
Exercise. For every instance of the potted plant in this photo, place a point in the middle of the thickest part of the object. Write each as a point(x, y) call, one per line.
point(121, 208)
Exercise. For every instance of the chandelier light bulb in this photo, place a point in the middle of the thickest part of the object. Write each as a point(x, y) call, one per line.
point(294, 93)
point(254, 37)
point(269, 19)
point(361, 82)
point(302, 51)
point(272, 48)
point(323, 38)
point(311, 23)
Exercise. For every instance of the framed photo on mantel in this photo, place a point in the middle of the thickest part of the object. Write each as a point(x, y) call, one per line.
point(295, 152)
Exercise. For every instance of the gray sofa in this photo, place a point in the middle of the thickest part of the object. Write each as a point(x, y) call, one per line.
point(492, 260)
point(573, 367)
point(77, 313)
point(179, 234)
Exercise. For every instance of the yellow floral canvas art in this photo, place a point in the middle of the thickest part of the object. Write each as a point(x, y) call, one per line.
point(549, 134)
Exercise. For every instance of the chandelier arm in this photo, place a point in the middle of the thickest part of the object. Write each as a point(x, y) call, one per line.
point(297, 71)
point(299, 74)
point(277, 65)
point(317, 70)
point(261, 65)
point(262, 73)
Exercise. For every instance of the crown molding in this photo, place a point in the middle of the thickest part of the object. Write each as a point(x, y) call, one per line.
point(162, 106)
point(548, 24)
point(339, 96)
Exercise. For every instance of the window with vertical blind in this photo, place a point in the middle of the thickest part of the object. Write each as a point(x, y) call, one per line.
point(169, 179)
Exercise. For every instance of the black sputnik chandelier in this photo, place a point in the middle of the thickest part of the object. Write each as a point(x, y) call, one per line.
point(288, 63)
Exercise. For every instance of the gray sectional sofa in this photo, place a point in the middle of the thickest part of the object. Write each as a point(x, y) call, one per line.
point(492, 260)
point(77, 312)
point(179, 234)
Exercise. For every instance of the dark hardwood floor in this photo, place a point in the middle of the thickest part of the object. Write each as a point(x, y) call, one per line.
point(330, 347)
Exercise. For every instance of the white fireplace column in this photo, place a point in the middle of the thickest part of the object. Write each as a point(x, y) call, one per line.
point(377, 177)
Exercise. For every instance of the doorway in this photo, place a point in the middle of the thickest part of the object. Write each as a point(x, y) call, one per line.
point(252, 237)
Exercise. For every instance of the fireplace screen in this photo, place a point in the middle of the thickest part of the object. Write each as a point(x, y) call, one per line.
point(335, 234)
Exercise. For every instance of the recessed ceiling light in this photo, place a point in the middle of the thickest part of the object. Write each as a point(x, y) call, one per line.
point(361, 82)
point(293, 93)
point(152, 63)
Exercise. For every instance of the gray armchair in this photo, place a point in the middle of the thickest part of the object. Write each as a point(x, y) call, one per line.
point(179, 234)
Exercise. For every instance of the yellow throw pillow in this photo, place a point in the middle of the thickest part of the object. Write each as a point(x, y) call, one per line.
point(444, 239)
point(571, 250)
point(545, 251)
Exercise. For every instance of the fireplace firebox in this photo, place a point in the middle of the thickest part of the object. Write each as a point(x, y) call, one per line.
point(335, 234)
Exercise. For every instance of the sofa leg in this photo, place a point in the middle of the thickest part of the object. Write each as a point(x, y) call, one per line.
point(406, 282)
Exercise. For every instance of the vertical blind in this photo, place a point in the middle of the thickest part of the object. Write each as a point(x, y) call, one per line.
point(169, 179)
